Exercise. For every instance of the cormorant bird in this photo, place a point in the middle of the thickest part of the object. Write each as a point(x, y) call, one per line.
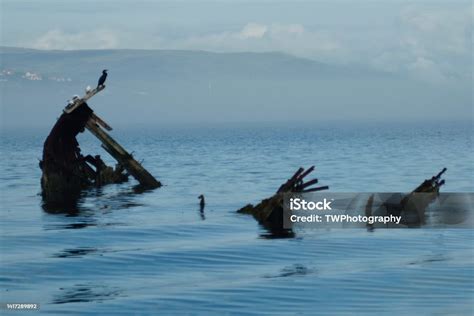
point(102, 78)
point(202, 202)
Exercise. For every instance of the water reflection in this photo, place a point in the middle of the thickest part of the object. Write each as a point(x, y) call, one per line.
point(276, 233)
point(139, 189)
point(202, 214)
point(82, 293)
point(122, 200)
point(429, 259)
point(293, 270)
point(75, 252)
point(78, 225)
point(83, 212)
point(69, 207)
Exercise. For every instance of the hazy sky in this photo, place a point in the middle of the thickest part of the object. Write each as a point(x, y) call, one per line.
point(427, 39)
point(421, 51)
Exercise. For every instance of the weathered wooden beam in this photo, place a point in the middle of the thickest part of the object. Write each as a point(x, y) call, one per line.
point(438, 176)
point(307, 184)
point(122, 156)
point(297, 174)
point(78, 101)
point(316, 189)
point(290, 182)
point(304, 174)
point(432, 184)
point(101, 122)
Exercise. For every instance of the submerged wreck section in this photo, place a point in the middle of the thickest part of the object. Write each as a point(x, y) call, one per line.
point(411, 207)
point(269, 212)
point(66, 171)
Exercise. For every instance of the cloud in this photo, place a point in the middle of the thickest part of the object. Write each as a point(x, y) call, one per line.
point(427, 69)
point(253, 30)
point(433, 44)
point(57, 39)
point(446, 31)
point(428, 41)
point(257, 37)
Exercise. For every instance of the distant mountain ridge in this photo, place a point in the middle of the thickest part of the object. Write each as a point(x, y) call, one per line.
point(169, 63)
point(185, 87)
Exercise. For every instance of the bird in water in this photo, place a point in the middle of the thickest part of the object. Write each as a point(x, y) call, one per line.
point(202, 202)
point(102, 78)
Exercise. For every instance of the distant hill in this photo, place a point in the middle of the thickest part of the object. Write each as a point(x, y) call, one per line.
point(169, 64)
point(173, 87)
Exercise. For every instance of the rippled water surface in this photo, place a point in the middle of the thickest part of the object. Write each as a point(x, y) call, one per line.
point(123, 252)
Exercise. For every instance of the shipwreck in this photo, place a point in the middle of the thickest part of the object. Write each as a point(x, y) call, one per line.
point(269, 212)
point(66, 171)
point(411, 207)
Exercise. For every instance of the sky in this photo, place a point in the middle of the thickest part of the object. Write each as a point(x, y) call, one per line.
point(431, 40)
point(422, 51)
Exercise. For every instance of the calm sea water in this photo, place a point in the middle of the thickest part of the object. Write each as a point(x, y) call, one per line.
point(120, 252)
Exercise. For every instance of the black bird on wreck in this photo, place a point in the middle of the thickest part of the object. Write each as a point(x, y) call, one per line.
point(102, 78)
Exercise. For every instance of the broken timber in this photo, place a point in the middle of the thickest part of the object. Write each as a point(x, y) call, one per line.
point(122, 156)
point(79, 101)
point(125, 159)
